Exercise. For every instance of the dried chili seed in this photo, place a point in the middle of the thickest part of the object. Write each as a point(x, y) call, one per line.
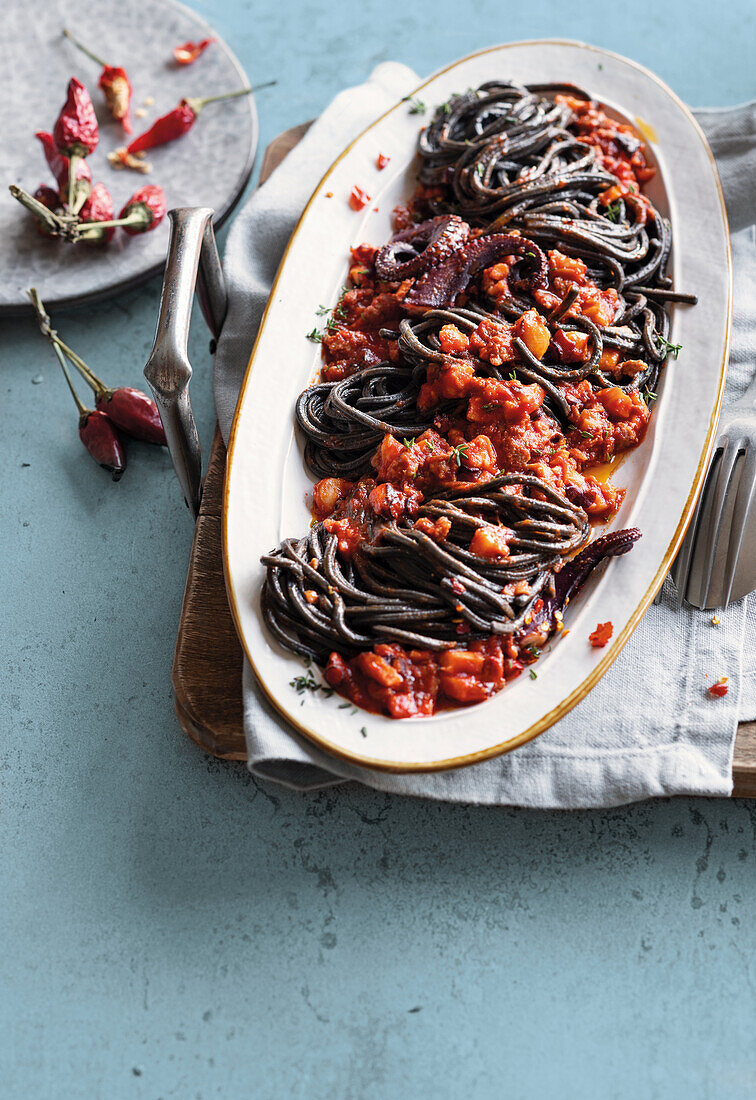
point(358, 199)
point(601, 635)
point(75, 132)
point(188, 52)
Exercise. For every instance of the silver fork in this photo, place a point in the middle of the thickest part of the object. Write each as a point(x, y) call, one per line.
point(717, 560)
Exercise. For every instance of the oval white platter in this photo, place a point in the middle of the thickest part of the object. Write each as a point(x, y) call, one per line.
point(267, 486)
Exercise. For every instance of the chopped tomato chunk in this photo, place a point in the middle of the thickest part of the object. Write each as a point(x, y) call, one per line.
point(491, 542)
point(533, 331)
point(358, 199)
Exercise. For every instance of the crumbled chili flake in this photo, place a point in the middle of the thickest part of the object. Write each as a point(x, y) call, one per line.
point(358, 199)
point(715, 620)
point(329, 194)
point(382, 161)
point(601, 635)
point(720, 688)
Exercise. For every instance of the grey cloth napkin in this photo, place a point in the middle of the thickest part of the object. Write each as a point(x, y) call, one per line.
point(674, 739)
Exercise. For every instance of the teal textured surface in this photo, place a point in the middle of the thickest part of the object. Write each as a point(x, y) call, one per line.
point(170, 927)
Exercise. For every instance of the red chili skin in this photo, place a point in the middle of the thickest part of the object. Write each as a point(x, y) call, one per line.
point(358, 199)
point(100, 436)
point(98, 208)
point(150, 199)
point(382, 161)
point(115, 83)
point(134, 413)
point(188, 52)
point(59, 164)
point(167, 128)
point(75, 131)
point(49, 198)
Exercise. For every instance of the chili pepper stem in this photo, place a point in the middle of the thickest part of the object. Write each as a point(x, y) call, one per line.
point(73, 164)
point(132, 219)
point(80, 46)
point(61, 347)
point(83, 410)
point(197, 104)
point(38, 209)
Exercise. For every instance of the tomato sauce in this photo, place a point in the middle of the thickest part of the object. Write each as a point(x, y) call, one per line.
point(502, 426)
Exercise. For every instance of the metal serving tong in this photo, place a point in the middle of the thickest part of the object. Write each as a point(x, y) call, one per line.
point(192, 261)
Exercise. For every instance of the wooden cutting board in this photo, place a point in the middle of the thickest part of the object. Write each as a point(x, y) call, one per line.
point(207, 663)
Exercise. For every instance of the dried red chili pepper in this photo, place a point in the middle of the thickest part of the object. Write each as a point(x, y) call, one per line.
point(76, 135)
point(134, 412)
point(50, 199)
point(129, 409)
point(97, 208)
point(177, 122)
point(100, 436)
point(97, 431)
point(50, 223)
point(188, 52)
point(75, 131)
point(144, 210)
point(59, 164)
point(115, 84)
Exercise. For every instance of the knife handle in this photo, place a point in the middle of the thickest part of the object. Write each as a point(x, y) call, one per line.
point(192, 263)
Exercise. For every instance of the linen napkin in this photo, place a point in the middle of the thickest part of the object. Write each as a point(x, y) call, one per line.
point(674, 739)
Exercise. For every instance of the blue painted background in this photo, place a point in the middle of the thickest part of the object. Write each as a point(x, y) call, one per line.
point(172, 929)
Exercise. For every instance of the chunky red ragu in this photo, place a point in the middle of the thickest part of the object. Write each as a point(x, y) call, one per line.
point(539, 389)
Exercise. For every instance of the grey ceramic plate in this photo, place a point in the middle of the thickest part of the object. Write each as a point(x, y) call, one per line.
point(210, 166)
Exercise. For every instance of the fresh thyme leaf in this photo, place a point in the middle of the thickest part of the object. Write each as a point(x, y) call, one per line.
point(671, 349)
point(613, 211)
point(513, 376)
point(489, 405)
point(533, 674)
point(408, 442)
point(301, 684)
point(344, 706)
point(322, 310)
point(533, 650)
point(417, 107)
point(429, 446)
point(459, 452)
point(315, 336)
point(585, 435)
point(651, 396)
point(363, 731)
point(445, 109)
